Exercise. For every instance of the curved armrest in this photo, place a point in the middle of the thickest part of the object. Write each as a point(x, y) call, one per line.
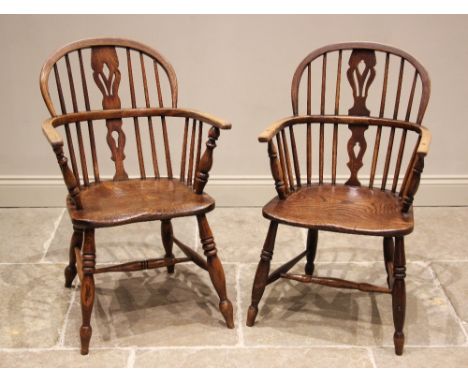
point(51, 134)
point(425, 141)
point(141, 112)
point(277, 126)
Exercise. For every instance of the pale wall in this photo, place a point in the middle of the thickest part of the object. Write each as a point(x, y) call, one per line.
point(239, 68)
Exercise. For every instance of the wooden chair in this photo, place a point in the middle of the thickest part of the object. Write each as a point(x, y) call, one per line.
point(324, 201)
point(156, 193)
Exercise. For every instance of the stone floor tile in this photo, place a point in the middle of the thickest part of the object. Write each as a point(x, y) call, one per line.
point(33, 304)
point(333, 247)
point(292, 313)
point(439, 234)
point(153, 308)
point(454, 279)
point(422, 357)
point(64, 358)
point(240, 234)
point(24, 233)
point(129, 242)
point(254, 357)
point(427, 242)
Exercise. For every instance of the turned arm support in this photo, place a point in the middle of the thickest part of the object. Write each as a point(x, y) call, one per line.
point(416, 170)
point(56, 142)
point(413, 183)
point(206, 162)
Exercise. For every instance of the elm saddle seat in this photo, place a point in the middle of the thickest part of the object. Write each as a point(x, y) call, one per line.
point(107, 204)
point(342, 208)
point(92, 80)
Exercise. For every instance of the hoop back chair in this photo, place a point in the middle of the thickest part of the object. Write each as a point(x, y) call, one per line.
point(378, 204)
point(129, 82)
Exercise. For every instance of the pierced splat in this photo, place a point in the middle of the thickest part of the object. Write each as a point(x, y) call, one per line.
point(106, 74)
point(361, 74)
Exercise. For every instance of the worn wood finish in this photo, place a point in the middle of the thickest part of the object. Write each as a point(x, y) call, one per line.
point(353, 207)
point(111, 68)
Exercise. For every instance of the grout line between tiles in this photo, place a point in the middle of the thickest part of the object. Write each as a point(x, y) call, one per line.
point(205, 347)
point(370, 353)
point(449, 303)
point(47, 243)
point(240, 326)
point(61, 340)
point(187, 347)
point(131, 357)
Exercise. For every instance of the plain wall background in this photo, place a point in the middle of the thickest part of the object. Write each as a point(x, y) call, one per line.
point(236, 67)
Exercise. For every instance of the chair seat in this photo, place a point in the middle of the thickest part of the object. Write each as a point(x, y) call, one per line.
point(342, 209)
point(110, 203)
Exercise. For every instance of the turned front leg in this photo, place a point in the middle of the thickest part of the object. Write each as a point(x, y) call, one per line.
point(167, 236)
point(215, 269)
point(70, 270)
point(399, 294)
point(87, 289)
point(261, 276)
point(312, 239)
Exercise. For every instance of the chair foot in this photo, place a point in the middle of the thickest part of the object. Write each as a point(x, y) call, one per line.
point(227, 311)
point(171, 269)
point(251, 315)
point(70, 274)
point(399, 342)
point(85, 337)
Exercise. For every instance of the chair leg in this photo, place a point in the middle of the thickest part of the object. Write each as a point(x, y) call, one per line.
point(70, 270)
point(215, 269)
point(399, 295)
point(389, 253)
point(312, 239)
point(87, 289)
point(261, 276)
point(168, 242)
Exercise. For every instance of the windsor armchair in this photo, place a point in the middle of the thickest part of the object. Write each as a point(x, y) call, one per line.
point(98, 201)
point(382, 206)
